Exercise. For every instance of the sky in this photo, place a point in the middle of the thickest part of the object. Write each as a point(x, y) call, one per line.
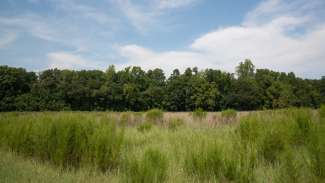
point(282, 35)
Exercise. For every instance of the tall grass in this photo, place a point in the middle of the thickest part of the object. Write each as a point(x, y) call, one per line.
point(175, 123)
point(205, 162)
point(65, 140)
point(154, 115)
point(151, 167)
point(199, 114)
point(267, 146)
point(321, 111)
point(144, 127)
point(229, 115)
point(316, 148)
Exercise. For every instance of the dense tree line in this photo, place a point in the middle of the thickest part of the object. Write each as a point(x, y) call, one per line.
point(135, 89)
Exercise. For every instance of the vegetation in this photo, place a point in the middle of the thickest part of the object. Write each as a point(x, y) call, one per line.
point(144, 127)
point(284, 145)
point(229, 115)
point(66, 140)
point(199, 114)
point(322, 111)
point(133, 89)
point(155, 115)
point(175, 123)
point(152, 167)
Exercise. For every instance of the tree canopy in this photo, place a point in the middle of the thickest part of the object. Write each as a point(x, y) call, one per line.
point(135, 89)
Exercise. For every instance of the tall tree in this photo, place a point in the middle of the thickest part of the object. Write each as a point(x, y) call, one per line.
point(245, 69)
point(13, 83)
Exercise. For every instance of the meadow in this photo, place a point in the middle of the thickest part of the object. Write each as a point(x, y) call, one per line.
point(286, 145)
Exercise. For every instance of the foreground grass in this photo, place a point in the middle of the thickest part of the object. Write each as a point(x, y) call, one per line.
point(270, 146)
point(16, 169)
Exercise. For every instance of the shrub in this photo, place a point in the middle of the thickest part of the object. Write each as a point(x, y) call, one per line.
point(155, 115)
point(175, 123)
point(144, 127)
point(199, 114)
point(229, 114)
point(152, 167)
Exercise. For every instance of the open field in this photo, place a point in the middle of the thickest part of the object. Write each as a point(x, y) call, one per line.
point(266, 146)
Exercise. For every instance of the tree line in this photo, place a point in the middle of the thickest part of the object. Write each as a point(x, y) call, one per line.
point(137, 90)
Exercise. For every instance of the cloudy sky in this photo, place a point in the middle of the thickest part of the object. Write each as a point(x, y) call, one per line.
point(283, 35)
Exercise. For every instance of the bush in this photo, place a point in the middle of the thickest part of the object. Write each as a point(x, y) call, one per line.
point(155, 115)
point(175, 123)
point(199, 114)
point(229, 114)
point(152, 167)
point(144, 127)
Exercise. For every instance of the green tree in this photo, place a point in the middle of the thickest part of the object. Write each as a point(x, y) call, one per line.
point(14, 82)
point(245, 69)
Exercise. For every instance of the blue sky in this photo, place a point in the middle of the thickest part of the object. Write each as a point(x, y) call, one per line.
point(283, 35)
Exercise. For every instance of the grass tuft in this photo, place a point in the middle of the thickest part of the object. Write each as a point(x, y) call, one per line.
point(152, 167)
point(199, 114)
point(144, 127)
point(229, 114)
point(155, 115)
point(175, 123)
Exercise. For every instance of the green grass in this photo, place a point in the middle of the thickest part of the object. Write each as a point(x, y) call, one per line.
point(16, 169)
point(268, 146)
point(175, 123)
point(322, 111)
point(144, 127)
point(66, 140)
point(154, 115)
point(152, 167)
point(229, 114)
point(199, 114)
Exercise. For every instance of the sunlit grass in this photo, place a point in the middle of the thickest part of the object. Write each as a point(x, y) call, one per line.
point(268, 146)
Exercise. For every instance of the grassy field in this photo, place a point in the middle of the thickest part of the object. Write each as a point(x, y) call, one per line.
point(267, 146)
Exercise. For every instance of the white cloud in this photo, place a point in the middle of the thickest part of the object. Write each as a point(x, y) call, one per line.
point(77, 9)
point(147, 59)
point(35, 25)
point(143, 15)
point(7, 39)
point(65, 60)
point(169, 4)
point(138, 16)
point(79, 27)
point(285, 41)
